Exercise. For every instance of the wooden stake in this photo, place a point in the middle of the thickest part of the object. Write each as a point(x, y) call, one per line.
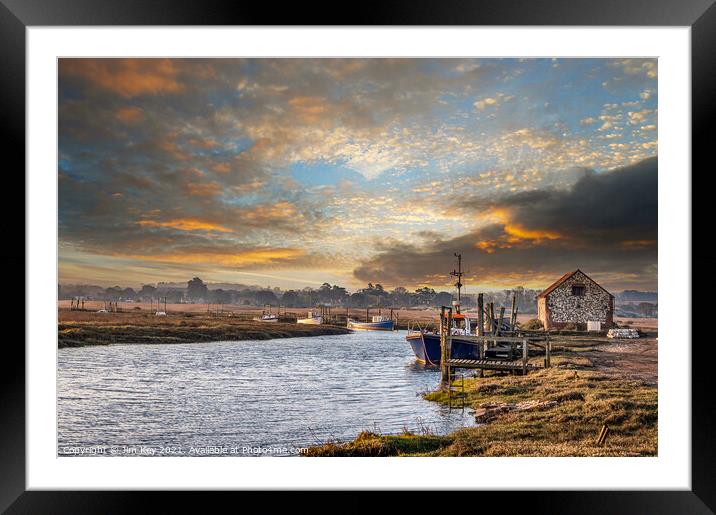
point(602, 438)
point(480, 315)
point(513, 313)
point(492, 318)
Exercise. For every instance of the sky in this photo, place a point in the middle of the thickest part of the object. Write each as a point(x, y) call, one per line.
point(295, 172)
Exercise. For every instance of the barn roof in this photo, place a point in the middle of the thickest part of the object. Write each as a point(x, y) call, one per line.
point(566, 276)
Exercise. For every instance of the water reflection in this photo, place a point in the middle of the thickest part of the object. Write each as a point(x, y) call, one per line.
point(276, 393)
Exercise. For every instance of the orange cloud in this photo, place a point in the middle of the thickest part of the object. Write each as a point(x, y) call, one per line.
point(239, 258)
point(204, 143)
point(276, 211)
point(522, 233)
point(198, 189)
point(130, 115)
point(308, 109)
point(221, 167)
point(126, 77)
point(185, 224)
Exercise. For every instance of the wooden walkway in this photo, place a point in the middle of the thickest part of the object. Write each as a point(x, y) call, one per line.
point(490, 364)
point(510, 346)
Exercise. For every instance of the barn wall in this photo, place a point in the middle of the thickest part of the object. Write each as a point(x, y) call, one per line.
point(562, 307)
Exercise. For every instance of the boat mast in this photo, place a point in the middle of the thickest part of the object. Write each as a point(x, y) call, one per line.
point(458, 273)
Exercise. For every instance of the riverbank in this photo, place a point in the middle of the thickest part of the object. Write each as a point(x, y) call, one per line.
point(82, 328)
point(553, 412)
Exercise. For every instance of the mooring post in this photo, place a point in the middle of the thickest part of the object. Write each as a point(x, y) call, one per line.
point(513, 313)
point(480, 315)
point(443, 364)
point(445, 322)
point(492, 318)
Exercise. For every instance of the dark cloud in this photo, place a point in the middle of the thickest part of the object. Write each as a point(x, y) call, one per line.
point(605, 224)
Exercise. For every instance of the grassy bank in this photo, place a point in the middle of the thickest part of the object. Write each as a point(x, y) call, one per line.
point(81, 328)
point(554, 412)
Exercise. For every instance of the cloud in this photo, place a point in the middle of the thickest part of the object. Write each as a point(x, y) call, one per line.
point(485, 102)
point(130, 115)
point(185, 224)
point(125, 77)
point(605, 224)
point(327, 155)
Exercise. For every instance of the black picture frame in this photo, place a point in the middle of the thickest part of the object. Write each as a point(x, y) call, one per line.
point(17, 15)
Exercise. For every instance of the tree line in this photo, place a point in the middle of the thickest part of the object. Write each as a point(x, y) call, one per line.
point(373, 295)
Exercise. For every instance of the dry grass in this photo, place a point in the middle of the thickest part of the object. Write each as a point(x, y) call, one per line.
point(80, 328)
point(585, 400)
point(371, 444)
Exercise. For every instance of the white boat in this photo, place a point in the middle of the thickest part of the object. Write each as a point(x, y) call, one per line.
point(377, 323)
point(311, 319)
point(267, 318)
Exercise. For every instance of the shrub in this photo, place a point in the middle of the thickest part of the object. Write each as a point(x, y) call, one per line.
point(534, 324)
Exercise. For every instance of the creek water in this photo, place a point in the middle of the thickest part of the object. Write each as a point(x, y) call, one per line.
point(246, 398)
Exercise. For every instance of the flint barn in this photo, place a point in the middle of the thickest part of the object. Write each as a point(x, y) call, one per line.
point(577, 300)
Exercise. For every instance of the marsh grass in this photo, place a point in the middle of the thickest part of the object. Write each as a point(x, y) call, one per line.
point(81, 328)
point(585, 401)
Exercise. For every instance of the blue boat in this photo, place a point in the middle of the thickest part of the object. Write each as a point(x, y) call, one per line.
point(426, 345)
point(379, 323)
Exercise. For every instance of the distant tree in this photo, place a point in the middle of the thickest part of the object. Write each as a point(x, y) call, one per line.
point(425, 295)
point(291, 299)
point(266, 297)
point(129, 293)
point(197, 290)
point(358, 300)
point(219, 296)
point(173, 295)
point(442, 299)
point(338, 295)
point(113, 293)
point(148, 291)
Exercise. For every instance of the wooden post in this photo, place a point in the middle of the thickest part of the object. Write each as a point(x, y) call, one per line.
point(366, 314)
point(549, 351)
point(513, 313)
point(445, 337)
point(500, 321)
point(443, 341)
point(524, 356)
point(492, 318)
point(480, 315)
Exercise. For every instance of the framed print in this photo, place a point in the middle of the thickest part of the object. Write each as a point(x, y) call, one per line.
point(431, 241)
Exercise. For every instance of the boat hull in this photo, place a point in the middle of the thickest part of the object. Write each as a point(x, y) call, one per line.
point(385, 325)
point(426, 348)
point(310, 321)
point(268, 320)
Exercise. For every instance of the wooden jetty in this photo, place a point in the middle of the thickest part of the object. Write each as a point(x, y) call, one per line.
point(516, 348)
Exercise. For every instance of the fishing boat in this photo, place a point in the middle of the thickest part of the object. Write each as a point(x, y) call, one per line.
point(311, 319)
point(426, 342)
point(377, 323)
point(267, 317)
